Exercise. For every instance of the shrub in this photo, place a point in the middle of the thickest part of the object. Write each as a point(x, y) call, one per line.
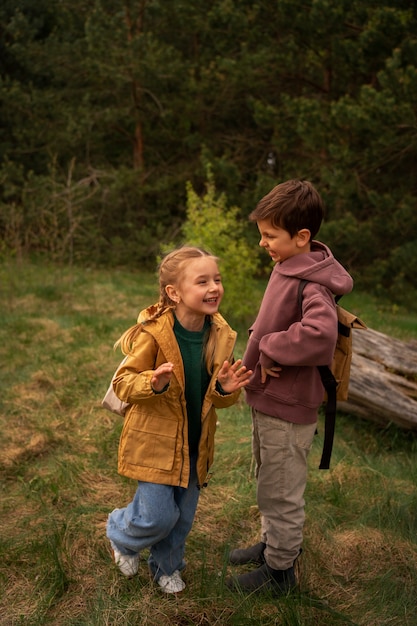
point(211, 224)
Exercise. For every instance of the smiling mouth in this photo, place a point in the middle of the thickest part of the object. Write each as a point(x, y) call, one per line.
point(211, 300)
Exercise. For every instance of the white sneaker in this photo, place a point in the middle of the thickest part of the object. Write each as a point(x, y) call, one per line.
point(127, 564)
point(172, 584)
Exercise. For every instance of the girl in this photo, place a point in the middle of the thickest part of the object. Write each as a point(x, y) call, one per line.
point(179, 368)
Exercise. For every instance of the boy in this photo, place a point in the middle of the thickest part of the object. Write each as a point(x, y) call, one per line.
point(285, 390)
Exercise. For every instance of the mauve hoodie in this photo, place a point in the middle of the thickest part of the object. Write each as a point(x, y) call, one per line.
point(279, 337)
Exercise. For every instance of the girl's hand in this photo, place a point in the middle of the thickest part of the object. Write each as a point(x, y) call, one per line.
point(233, 377)
point(161, 376)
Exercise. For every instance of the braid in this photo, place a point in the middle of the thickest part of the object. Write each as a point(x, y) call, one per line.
point(127, 339)
point(160, 308)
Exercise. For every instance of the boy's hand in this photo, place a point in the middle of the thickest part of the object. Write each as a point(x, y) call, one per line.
point(273, 371)
point(161, 376)
point(233, 377)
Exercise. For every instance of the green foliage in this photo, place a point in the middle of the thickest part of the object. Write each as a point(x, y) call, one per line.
point(210, 223)
point(127, 98)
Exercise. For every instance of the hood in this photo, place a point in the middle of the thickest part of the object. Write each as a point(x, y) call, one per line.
point(144, 318)
point(319, 266)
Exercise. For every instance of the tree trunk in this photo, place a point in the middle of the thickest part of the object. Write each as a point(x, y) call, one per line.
point(383, 380)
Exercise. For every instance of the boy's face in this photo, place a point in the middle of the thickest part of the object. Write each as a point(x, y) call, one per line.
point(278, 242)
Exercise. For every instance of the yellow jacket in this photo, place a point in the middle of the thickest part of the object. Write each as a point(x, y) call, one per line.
point(154, 441)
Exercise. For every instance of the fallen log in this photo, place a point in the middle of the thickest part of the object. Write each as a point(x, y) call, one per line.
point(383, 380)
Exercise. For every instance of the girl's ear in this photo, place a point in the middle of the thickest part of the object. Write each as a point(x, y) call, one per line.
point(172, 293)
point(303, 237)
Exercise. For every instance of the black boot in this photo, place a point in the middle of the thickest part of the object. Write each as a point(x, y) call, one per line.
point(264, 580)
point(254, 554)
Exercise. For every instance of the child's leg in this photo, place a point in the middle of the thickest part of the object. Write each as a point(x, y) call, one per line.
point(281, 449)
point(146, 520)
point(159, 517)
point(168, 554)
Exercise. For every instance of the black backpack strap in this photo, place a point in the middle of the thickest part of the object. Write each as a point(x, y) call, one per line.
point(330, 385)
point(301, 286)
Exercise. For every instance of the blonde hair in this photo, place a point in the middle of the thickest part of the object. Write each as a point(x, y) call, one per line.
point(170, 271)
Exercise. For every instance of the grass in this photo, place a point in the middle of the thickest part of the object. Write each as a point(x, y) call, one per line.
point(58, 456)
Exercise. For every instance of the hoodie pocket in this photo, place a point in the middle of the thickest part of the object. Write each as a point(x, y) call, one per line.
point(296, 385)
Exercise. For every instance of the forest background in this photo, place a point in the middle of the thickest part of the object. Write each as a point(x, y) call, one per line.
point(110, 109)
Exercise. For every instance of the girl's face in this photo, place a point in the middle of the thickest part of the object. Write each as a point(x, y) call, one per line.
point(198, 292)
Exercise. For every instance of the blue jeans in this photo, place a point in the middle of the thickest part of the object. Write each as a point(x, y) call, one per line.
point(160, 518)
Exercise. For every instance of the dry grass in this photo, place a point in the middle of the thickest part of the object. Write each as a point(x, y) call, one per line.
point(58, 453)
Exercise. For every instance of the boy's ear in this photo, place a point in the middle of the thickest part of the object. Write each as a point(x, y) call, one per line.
point(303, 237)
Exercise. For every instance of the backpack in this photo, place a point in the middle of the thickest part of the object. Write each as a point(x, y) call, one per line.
point(335, 379)
point(111, 402)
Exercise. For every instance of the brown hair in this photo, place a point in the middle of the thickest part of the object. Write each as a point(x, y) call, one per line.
point(170, 272)
point(292, 205)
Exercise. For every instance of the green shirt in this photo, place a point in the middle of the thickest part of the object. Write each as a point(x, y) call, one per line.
point(197, 377)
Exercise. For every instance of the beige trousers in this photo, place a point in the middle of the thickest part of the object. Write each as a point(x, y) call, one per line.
point(280, 449)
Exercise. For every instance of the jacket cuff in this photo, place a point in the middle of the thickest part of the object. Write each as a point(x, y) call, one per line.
point(162, 390)
point(220, 389)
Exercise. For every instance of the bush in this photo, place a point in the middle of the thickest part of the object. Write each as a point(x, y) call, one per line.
point(212, 225)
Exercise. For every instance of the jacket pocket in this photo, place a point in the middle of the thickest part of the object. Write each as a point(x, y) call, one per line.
point(150, 441)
